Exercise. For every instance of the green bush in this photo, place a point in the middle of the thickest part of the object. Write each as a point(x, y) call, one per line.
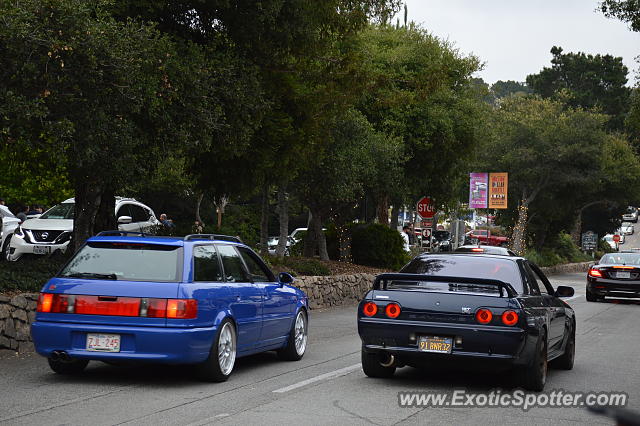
point(561, 250)
point(299, 265)
point(378, 246)
point(29, 274)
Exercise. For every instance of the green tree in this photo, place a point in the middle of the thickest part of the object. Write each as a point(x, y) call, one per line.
point(593, 81)
point(502, 89)
point(546, 147)
point(624, 10)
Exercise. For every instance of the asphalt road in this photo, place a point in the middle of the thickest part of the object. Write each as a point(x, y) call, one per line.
point(326, 387)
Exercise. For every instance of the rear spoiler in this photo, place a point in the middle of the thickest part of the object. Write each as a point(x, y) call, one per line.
point(381, 281)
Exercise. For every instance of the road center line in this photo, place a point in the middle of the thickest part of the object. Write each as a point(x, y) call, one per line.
point(325, 376)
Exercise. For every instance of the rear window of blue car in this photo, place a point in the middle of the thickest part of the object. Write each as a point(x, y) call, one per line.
point(471, 266)
point(126, 261)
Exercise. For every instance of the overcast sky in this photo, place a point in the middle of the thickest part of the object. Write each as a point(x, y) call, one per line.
point(513, 37)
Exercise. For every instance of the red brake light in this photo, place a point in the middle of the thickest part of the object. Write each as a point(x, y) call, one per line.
point(392, 310)
point(477, 249)
point(44, 302)
point(105, 305)
point(369, 309)
point(182, 308)
point(484, 316)
point(623, 267)
point(595, 273)
point(509, 318)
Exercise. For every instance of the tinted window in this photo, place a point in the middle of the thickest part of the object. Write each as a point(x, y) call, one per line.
point(138, 214)
point(255, 266)
point(126, 261)
point(467, 267)
point(123, 210)
point(534, 283)
point(232, 264)
point(206, 264)
point(620, 259)
point(60, 211)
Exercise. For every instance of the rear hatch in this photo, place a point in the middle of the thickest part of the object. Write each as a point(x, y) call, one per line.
point(122, 281)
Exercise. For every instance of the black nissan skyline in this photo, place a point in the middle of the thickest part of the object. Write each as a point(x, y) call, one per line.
point(461, 307)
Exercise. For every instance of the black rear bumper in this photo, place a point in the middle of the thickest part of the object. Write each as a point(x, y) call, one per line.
point(614, 288)
point(499, 344)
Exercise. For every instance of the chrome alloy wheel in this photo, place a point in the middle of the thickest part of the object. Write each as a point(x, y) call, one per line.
point(227, 348)
point(300, 333)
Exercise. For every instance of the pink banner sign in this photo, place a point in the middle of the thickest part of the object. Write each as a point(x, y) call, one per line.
point(478, 190)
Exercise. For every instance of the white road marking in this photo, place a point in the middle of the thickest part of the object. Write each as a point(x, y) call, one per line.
point(325, 376)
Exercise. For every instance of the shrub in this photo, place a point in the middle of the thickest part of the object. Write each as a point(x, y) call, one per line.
point(29, 274)
point(378, 246)
point(298, 265)
point(561, 250)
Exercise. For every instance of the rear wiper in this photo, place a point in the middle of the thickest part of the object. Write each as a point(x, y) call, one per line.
point(92, 275)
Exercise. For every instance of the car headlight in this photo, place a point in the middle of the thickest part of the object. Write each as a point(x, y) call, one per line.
point(18, 232)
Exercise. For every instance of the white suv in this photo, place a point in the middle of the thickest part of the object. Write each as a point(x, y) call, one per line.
point(8, 224)
point(52, 230)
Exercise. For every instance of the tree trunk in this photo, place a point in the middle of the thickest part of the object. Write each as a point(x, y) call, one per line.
point(382, 209)
point(283, 217)
point(576, 230)
point(198, 204)
point(520, 231)
point(264, 221)
point(106, 217)
point(87, 203)
point(321, 241)
point(395, 212)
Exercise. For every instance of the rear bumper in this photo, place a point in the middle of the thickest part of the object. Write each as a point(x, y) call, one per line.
point(504, 345)
point(613, 288)
point(158, 344)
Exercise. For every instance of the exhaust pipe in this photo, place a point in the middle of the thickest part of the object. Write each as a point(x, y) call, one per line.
point(65, 356)
point(60, 356)
point(55, 355)
point(390, 361)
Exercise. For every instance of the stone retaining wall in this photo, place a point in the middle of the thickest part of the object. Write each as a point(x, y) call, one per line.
point(18, 312)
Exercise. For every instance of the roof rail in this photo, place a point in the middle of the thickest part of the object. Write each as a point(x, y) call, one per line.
point(117, 232)
point(213, 237)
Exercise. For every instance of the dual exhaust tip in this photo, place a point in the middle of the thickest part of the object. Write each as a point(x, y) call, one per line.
point(60, 356)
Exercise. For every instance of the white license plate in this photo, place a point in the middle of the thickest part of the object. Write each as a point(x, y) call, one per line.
point(623, 274)
point(103, 342)
point(41, 249)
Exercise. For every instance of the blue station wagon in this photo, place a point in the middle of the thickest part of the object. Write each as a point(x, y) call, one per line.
point(202, 300)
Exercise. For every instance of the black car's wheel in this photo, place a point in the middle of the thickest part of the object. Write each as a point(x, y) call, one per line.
point(297, 341)
point(67, 367)
point(372, 367)
point(534, 375)
point(593, 298)
point(565, 361)
point(222, 357)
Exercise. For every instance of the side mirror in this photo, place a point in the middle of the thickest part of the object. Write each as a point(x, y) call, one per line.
point(285, 278)
point(563, 291)
point(125, 219)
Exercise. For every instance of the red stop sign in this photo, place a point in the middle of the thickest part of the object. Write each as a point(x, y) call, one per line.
point(426, 208)
point(616, 238)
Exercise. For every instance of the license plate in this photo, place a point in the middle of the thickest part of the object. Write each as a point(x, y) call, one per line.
point(435, 344)
point(103, 342)
point(623, 274)
point(41, 249)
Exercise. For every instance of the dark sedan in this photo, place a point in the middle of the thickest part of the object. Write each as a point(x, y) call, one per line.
point(464, 307)
point(615, 275)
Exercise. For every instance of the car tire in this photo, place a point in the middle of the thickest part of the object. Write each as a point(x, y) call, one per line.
point(533, 376)
point(372, 367)
point(4, 255)
point(297, 340)
point(593, 298)
point(69, 367)
point(219, 365)
point(565, 361)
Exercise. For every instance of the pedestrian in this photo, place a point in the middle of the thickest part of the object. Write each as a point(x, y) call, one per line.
point(1, 201)
point(197, 227)
point(22, 213)
point(165, 221)
point(405, 238)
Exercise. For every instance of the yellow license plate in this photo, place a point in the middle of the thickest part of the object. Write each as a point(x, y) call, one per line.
point(435, 344)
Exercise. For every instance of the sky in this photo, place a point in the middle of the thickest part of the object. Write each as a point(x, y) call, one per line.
point(514, 37)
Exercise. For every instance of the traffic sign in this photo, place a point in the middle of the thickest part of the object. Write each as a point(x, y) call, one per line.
point(616, 238)
point(426, 233)
point(426, 208)
point(426, 223)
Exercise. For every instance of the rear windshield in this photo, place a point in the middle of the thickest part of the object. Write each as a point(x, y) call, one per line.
point(126, 261)
point(620, 259)
point(60, 211)
point(467, 267)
